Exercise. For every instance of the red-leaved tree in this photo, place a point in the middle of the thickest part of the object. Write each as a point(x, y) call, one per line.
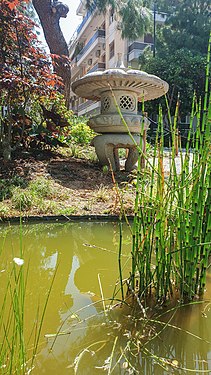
point(25, 73)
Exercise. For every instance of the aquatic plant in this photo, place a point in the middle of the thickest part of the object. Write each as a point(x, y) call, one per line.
point(171, 231)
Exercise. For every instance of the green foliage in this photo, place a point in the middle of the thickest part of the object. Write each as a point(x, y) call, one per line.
point(181, 48)
point(74, 131)
point(29, 10)
point(22, 199)
point(134, 15)
point(80, 132)
point(7, 186)
point(178, 70)
point(76, 150)
point(136, 20)
point(41, 187)
point(47, 207)
point(37, 190)
point(187, 25)
point(4, 210)
point(171, 233)
point(66, 210)
point(105, 169)
point(41, 196)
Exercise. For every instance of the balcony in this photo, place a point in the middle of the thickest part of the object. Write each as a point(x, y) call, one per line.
point(89, 107)
point(135, 49)
point(97, 67)
point(98, 37)
point(160, 17)
point(85, 19)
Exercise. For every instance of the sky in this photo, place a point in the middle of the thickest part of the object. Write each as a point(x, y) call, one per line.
point(69, 24)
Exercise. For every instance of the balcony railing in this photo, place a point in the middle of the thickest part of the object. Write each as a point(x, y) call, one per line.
point(98, 34)
point(79, 28)
point(85, 105)
point(85, 19)
point(97, 67)
point(88, 107)
point(138, 46)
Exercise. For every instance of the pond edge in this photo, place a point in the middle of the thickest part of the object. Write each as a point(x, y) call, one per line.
point(62, 218)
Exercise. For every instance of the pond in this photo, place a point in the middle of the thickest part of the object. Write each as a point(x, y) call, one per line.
point(83, 258)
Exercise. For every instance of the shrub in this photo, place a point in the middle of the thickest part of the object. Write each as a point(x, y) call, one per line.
point(22, 199)
point(7, 186)
point(81, 132)
point(41, 187)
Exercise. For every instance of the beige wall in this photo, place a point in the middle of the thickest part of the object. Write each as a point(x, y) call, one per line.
point(112, 34)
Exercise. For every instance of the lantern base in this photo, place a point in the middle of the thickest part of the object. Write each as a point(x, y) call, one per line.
point(107, 145)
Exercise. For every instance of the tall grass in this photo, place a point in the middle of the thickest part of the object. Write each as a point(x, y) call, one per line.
point(171, 232)
point(17, 350)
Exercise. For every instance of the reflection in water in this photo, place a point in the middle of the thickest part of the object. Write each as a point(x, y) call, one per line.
point(61, 247)
point(51, 261)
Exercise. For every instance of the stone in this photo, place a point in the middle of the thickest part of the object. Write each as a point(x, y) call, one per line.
point(107, 145)
point(112, 123)
point(119, 90)
point(96, 84)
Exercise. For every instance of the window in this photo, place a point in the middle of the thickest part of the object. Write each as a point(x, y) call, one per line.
point(111, 16)
point(111, 50)
point(148, 38)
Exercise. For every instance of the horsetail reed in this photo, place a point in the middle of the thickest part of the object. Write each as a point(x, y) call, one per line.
point(171, 232)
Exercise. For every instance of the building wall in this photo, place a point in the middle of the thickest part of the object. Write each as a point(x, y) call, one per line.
point(98, 46)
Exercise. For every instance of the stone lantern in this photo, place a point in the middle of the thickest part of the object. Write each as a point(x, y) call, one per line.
point(119, 90)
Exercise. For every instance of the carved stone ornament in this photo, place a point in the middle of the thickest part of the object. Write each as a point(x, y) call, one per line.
point(112, 123)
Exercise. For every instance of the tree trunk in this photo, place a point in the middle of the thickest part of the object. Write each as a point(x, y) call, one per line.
point(49, 13)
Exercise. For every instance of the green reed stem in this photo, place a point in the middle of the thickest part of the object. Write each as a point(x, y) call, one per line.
point(120, 261)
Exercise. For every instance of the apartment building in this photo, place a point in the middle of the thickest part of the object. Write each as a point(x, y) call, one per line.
point(97, 45)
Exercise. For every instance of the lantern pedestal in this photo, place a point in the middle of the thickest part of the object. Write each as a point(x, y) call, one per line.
point(107, 145)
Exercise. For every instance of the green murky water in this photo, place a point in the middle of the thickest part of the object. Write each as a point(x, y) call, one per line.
point(85, 258)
